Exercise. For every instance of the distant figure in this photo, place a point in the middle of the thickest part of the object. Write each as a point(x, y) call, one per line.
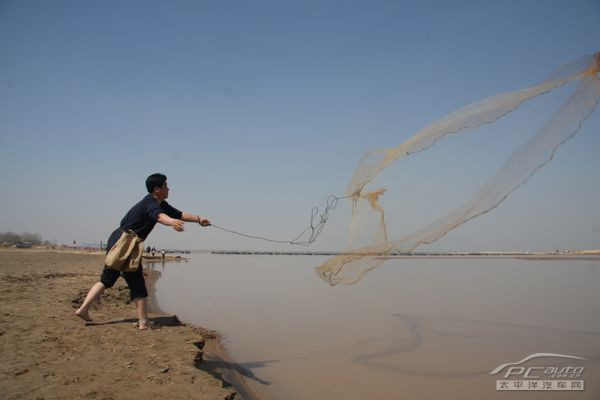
point(153, 251)
point(148, 249)
point(163, 254)
point(140, 219)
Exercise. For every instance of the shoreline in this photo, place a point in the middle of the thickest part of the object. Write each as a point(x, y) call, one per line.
point(212, 358)
point(545, 254)
point(50, 353)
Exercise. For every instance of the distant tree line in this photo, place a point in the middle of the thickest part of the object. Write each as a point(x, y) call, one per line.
point(12, 238)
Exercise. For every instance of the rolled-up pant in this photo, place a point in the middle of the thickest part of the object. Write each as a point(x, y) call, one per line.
point(135, 280)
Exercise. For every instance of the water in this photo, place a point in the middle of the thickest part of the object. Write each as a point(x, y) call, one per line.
point(416, 328)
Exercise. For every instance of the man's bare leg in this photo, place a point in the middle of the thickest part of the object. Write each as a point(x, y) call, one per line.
point(93, 294)
point(141, 307)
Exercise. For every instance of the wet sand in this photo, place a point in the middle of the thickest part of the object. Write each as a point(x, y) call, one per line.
point(49, 353)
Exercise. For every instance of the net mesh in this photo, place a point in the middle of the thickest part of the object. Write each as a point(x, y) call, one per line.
point(350, 267)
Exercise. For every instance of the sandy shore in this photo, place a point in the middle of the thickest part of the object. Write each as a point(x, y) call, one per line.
point(49, 353)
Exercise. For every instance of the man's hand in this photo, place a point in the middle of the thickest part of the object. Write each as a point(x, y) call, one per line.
point(203, 221)
point(177, 224)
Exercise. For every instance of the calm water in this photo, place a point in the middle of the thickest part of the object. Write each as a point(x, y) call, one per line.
point(413, 329)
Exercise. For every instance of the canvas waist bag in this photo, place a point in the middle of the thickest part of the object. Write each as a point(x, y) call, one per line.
point(126, 254)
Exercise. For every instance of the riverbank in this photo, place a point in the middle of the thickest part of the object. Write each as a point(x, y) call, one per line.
point(48, 353)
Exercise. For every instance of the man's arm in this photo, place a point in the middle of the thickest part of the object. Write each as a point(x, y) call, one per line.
point(195, 218)
point(177, 224)
point(164, 219)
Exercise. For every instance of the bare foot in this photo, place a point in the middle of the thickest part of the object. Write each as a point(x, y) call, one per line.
point(143, 325)
point(83, 315)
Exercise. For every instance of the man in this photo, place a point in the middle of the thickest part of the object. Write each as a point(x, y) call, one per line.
point(141, 219)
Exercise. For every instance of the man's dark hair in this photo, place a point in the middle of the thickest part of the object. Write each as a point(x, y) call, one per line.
point(155, 180)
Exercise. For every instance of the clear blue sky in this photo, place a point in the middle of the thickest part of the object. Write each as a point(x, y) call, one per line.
point(256, 111)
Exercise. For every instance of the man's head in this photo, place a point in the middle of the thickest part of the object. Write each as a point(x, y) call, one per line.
point(157, 186)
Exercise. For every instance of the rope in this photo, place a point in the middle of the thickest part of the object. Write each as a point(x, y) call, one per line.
point(315, 228)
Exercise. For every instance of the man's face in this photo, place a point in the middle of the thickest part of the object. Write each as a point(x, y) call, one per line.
point(162, 192)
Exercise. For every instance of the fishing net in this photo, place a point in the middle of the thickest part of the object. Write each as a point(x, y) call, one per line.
point(351, 266)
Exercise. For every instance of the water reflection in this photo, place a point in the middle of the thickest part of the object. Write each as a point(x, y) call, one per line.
point(414, 333)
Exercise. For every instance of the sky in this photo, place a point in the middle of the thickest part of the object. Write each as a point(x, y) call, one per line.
point(257, 111)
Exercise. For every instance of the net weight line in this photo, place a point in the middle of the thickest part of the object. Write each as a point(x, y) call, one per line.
point(315, 228)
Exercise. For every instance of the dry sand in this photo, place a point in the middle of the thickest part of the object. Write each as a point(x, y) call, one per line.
point(49, 353)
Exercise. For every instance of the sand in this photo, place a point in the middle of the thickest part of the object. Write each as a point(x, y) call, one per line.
point(49, 353)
